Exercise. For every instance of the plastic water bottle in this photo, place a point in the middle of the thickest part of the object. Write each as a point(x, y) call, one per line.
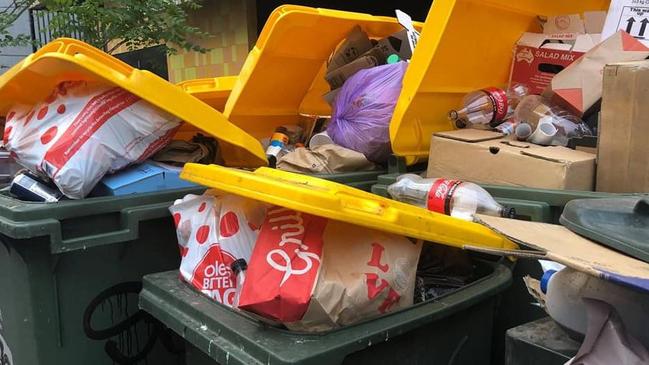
point(565, 289)
point(451, 197)
point(239, 268)
point(540, 122)
point(489, 107)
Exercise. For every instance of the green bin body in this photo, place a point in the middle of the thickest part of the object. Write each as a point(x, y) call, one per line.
point(56, 258)
point(454, 329)
point(516, 306)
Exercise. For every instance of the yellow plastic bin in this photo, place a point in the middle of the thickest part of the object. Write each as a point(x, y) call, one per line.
point(465, 45)
point(213, 91)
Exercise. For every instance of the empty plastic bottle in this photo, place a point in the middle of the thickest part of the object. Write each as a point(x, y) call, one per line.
point(451, 197)
point(489, 107)
point(540, 122)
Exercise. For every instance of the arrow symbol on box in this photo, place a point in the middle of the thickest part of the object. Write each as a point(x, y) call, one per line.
point(629, 24)
point(643, 27)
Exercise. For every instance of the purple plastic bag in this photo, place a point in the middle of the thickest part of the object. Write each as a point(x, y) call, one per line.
point(363, 109)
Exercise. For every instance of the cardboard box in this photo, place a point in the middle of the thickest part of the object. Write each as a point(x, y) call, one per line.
point(623, 153)
point(579, 86)
point(488, 157)
point(539, 57)
point(629, 16)
point(145, 178)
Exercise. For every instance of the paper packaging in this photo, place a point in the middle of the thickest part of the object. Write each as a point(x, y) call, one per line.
point(214, 231)
point(579, 86)
point(145, 178)
point(623, 152)
point(629, 16)
point(356, 43)
point(570, 23)
point(539, 57)
point(488, 157)
point(315, 274)
point(324, 159)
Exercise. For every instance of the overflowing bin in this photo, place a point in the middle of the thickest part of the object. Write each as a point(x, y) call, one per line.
point(70, 271)
point(453, 328)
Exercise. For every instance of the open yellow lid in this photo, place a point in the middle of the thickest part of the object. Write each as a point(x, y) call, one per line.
point(213, 91)
point(34, 78)
point(339, 202)
point(283, 75)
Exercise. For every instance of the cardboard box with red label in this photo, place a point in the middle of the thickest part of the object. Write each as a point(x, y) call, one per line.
point(539, 57)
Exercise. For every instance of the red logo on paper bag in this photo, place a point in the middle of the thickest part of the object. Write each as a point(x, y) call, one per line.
point(284, 265)
point(440, 194)
point(214, 277)
point(376, 285)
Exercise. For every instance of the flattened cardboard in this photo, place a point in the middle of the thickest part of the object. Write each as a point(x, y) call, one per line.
point(594, 21)
point(356, 43)
point(623, 151)
point(487, 157)
point(579, 86)
point(559, 244)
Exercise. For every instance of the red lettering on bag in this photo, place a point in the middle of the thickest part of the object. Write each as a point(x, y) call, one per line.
point(375, 260)
point(372, 289)
point(392, 299)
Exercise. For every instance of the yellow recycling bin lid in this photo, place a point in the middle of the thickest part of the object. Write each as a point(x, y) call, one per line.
point(214, 91)
point(339, 202)
point(34, 78)
point(465, 45)
point(283, 75)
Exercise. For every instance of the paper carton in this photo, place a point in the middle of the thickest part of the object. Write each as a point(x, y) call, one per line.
point(629, 16)
point(539, 57)
point(579, 86)
point(490, 158)
point(145, 178)
point(623, 153)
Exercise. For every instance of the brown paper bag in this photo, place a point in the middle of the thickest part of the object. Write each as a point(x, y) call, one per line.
point(363, 274)
point(579, 86)
point(329, 158)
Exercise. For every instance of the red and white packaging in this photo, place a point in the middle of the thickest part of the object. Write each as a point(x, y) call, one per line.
point(539, 57)
point(83, 131)
point(284, 266)
point(214, 231)
point(315, 274)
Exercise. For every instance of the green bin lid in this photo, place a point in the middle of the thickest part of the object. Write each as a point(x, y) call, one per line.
point(619, 223)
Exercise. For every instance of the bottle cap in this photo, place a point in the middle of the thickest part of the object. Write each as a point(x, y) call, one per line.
point(239, 265)
point(460, 123)
point(508, 213)
point(393, 58)
point(545, 279)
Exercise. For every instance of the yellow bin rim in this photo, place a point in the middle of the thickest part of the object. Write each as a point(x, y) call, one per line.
point(33, 79)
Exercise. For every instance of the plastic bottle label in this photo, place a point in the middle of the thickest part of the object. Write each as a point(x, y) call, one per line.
point(500, 104)
point(440, 194)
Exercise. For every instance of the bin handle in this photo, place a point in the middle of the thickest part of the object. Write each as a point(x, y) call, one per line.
point(130, 219)
point(98, 58)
